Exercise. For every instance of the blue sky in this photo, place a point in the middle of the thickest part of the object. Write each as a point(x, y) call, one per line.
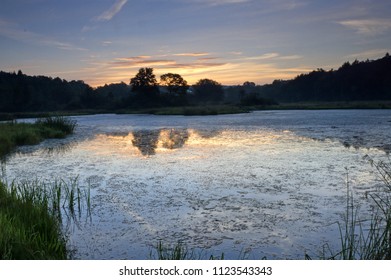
point(230, 41)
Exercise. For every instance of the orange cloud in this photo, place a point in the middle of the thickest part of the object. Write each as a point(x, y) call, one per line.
point(193, 67)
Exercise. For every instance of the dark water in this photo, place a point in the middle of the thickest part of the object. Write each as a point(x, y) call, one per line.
point(265, 184)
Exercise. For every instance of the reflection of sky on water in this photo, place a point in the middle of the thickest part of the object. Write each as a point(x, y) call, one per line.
point(212, 182)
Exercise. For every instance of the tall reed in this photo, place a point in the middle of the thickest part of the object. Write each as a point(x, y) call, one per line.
point(34, 217)
point(180, 251)
point(368, 239)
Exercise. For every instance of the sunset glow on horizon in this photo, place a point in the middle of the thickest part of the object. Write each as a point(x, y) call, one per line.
point(103, 42)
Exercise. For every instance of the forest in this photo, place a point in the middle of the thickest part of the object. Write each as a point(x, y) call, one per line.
point(368, 80)
point(357, 81)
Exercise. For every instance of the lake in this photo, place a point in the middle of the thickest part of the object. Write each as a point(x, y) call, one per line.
point(265, 184)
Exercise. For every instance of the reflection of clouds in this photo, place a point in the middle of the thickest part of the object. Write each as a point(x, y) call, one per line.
point(208, 133)
point(118, 134)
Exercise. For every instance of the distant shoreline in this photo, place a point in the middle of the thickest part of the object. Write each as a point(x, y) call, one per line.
point(209, 110)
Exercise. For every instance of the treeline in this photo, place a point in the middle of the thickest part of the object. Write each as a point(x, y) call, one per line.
point(357, 81)
point(22, 93)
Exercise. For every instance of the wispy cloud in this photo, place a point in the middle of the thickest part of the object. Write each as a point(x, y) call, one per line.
point(290, 57)
point(123, 68)
point(195, 54)
point(106, 43)
point(194, 66)
point(220, 2)
point(112, 11)
point(235, 53)
point(262, 57)
point(149, 61)
point(122, 63)
point(273, 55)
point(207, 58)
point(368, 26)
point(369, 54)
point(12, 31)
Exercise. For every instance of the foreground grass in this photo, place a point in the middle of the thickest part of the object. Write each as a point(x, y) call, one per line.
point(31, 213)
point(368, 239)
point(29, 230)
point(31, 218)
point(13, 134)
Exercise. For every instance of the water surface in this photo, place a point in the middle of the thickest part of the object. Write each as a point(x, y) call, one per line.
point(265, 184)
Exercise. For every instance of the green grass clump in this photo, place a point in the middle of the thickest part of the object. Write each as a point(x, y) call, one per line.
point(32, 218)
point(13, 134)
point(29, 230)
point(56, 127)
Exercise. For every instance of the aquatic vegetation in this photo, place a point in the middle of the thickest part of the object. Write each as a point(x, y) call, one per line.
point(34, 217)
point(62, 124)
point(14, 134)
point(180, 251)
point(367, 238)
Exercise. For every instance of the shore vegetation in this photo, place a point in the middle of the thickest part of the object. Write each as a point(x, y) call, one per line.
point(13, 133)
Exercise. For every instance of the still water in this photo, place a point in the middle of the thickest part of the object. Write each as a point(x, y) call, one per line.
point(266, 184)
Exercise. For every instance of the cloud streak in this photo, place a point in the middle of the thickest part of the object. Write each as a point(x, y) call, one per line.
point(273, 55)
point(112, 11)
point(195, 54)
point(149, 61)
point(375, 53)
point(11, 31)
point(368, 26)
point(220, 2)
point(194, 66)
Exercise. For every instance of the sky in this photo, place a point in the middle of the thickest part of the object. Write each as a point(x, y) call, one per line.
point(229, 41)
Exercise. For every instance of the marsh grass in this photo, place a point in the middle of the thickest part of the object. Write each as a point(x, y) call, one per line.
point(13, 134)
point(34, 217)
point(366, 238)
point(60, 124)
point(180, 251)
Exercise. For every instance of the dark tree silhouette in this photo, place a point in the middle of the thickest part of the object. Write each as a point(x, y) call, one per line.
point(174, 83)
point(144, 81)
point(208, 91)
point(22, 93)
point(248, 84)
point(145, 86)
point(353, 81)
point(357, 81)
